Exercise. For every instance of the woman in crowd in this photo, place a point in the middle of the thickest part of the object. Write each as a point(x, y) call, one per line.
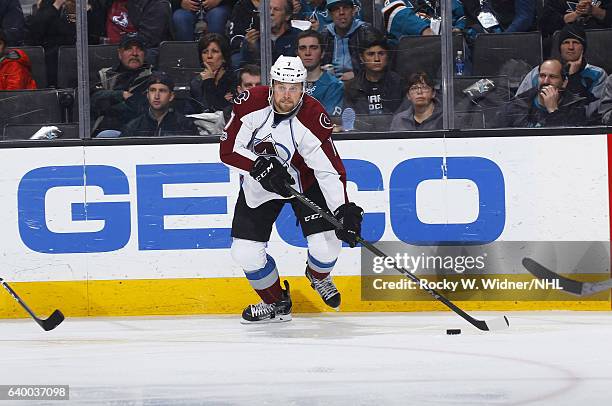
point(213, 87)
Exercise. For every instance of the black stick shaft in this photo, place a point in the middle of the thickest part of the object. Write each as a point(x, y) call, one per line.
point(482, 325)
point(17, 298)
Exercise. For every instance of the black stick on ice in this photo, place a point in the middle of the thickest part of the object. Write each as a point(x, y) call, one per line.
point(47, 324)
point(569, 285)
point(499, 323)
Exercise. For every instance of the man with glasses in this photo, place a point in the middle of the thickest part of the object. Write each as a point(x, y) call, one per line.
point(424, 111)
point(279, 136)
point(375, 90)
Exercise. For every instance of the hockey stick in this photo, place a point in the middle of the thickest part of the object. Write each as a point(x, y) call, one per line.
point(495, 324)
point(569, 285)
point(47, 324)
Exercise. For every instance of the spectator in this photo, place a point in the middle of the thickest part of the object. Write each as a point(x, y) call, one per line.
point(559, 13)
point(605, 108)
point(424, 110)
point(245, 17)
point(188, 12)
point(149, 18)
point(12, 22)
point(54, 25)
point(418, 17)
point(317, 13)
point(283, 34)
point(15, 67)
point(376, 89)
point(118, 22)
point(344, 39)
point(320, 84)
point(248, 77)
point(213, 86)
point(585, 80)
point(496, 16)
point(548, 105)
point(160, 119)
point(119, 97)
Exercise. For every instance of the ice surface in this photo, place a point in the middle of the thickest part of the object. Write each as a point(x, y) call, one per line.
point(544, 358)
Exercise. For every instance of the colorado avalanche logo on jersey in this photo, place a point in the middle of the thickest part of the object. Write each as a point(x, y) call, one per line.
point(267, 147)
point(242, 97)
point(325, 121)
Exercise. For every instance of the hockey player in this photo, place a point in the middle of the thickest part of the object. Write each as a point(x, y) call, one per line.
point(276, 136)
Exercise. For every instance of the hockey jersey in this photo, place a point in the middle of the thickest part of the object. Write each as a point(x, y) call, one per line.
point(301, 142)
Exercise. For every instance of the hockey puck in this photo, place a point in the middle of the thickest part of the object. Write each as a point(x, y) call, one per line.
point(453, 331)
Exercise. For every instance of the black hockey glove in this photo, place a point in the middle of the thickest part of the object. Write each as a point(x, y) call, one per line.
point(350, 215)
point(272, 175)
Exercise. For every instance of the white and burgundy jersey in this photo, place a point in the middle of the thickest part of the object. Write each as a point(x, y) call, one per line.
point(302, 143)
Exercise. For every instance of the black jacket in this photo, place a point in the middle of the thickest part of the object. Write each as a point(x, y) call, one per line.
point(12, 21)
point(521, 112)
point(211, 95)
point(244, 16)
point(152, 19)
point(512, 15)
point(107, 98)
point(173, 123)
point(51, 28)
point(551, 18)
point(391, 92)
point(284, 45)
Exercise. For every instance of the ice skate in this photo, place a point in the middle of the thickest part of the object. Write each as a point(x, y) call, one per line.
point(326, 289)
point(269, 313)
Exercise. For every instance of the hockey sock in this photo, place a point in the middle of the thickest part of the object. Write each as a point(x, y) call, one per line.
point(266, 282)
point(318, 269)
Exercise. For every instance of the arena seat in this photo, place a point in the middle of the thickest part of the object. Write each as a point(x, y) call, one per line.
point(486, 104)
point(492, 52)
point(180, 60)
point(100, 56)
point(422, 53)
point(25, 131)
point(36, 106)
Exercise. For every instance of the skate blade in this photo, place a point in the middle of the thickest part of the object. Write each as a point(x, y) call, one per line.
point(279, 319)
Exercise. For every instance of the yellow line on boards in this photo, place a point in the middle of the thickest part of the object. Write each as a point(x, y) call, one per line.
point(229, 296)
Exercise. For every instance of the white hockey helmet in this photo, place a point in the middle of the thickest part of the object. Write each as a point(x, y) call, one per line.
point(288, 69)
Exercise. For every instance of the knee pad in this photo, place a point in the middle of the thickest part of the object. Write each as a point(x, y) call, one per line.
point(250, 255)
point(324, 247)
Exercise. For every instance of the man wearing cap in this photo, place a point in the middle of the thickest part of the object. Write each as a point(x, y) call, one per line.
point(585, 80)
point(547, 105)
point(160, 119)
point(344, 39)
point(119, 96)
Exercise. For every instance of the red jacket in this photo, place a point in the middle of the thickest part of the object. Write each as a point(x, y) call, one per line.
point(15, 74)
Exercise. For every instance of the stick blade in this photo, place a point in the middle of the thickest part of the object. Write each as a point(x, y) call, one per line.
point(541, 272)
point(500, 323)
point(53, 321)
